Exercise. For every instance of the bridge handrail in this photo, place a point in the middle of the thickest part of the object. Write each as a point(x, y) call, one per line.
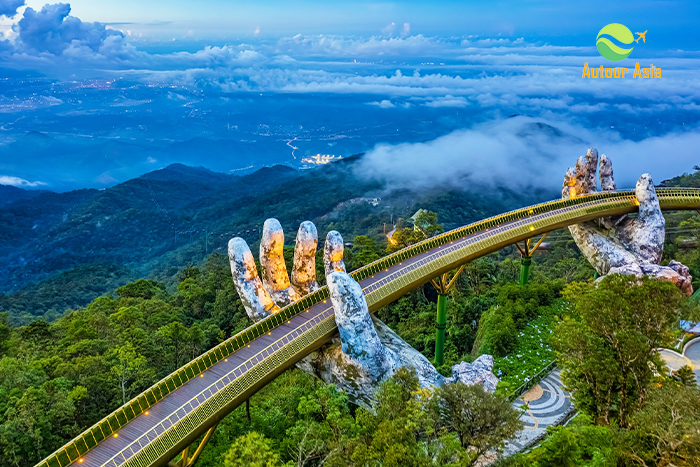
point(109, 425)
point(530, 382)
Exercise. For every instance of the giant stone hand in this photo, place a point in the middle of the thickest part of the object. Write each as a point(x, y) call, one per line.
point(367, 351)
point(622, 244)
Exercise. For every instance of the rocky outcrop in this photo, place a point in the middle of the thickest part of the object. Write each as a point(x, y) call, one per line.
point(478, 372)
point(622, 244)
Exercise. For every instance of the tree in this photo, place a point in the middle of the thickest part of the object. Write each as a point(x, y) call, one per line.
point(364, 251)
point(403, 238)
point(483, 421)
point(173, 338)
point(251, 450)
point(497, 333)
point(666, 432)
point(427, 222)
point(36, 423)
point(686, 375)
point(607, 349)
point(579, 444)
point(131, 371)
point(560, 450)
point(324, 428)
point(142, 288)
point(400, 430)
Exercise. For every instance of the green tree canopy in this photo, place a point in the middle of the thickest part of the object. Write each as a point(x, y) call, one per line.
point(607, 347)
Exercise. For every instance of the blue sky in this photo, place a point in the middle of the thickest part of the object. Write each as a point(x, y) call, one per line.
point(673, 23)
point(114, 89)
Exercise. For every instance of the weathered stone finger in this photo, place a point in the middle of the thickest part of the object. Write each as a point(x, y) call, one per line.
point(274, 271)
point(255, 299)
point(359, 339)
point(568, 189)
point(605, 172)
point(586, 167)
point(304, 268)
point(607, 183)
point(333, 253)
point(644, 236)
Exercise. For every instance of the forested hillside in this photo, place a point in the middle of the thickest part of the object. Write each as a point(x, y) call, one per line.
point(157, 224)
point(62, 373)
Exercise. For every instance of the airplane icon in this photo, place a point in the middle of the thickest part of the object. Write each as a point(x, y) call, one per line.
point(642, 35)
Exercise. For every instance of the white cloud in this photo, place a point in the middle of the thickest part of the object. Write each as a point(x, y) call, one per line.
point(18, 182)
point(385, 104)
point(446, 101)
point(389, 29)
point(521, 152)
point(492, 74)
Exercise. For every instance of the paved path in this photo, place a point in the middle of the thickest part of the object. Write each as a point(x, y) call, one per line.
point(693, 354)
point(547, 403)
point(674, 361)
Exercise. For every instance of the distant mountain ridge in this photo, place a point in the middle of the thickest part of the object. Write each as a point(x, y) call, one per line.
point(10, 194)
point(175, 172)
point(156, 224)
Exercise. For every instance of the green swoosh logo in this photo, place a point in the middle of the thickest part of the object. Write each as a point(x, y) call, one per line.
point(607, 48)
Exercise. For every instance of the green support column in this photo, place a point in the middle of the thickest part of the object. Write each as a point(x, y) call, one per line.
point(525, 271)
point(526, 252)
point(442, 285)
point(440, 329)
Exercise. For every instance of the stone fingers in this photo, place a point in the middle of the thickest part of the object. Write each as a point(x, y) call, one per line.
point(304, 268)
point(607, 183)
point(359, 339)
point(644, 236)
point(605, 171)
point(274, 271)
point(586, 168)
point(333, 253)
point(255, 298)
point(568, 189)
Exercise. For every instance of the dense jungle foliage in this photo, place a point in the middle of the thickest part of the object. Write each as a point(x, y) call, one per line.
point(62, 373)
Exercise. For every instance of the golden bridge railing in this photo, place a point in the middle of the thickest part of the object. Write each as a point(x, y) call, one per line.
point(497, 232)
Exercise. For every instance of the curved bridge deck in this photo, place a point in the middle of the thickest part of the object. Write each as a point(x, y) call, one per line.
point(158, 424)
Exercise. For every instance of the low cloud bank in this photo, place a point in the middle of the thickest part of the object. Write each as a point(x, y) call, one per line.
point(18, 182)
point(523, 152)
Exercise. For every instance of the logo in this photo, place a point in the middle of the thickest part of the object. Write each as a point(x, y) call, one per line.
point(614, 52)
point(608, 49)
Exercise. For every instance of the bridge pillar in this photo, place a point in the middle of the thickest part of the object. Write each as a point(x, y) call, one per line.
point(443, 285)
point(526, 252)
point(185, 459)
point(525, 270)
point(440, 329)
